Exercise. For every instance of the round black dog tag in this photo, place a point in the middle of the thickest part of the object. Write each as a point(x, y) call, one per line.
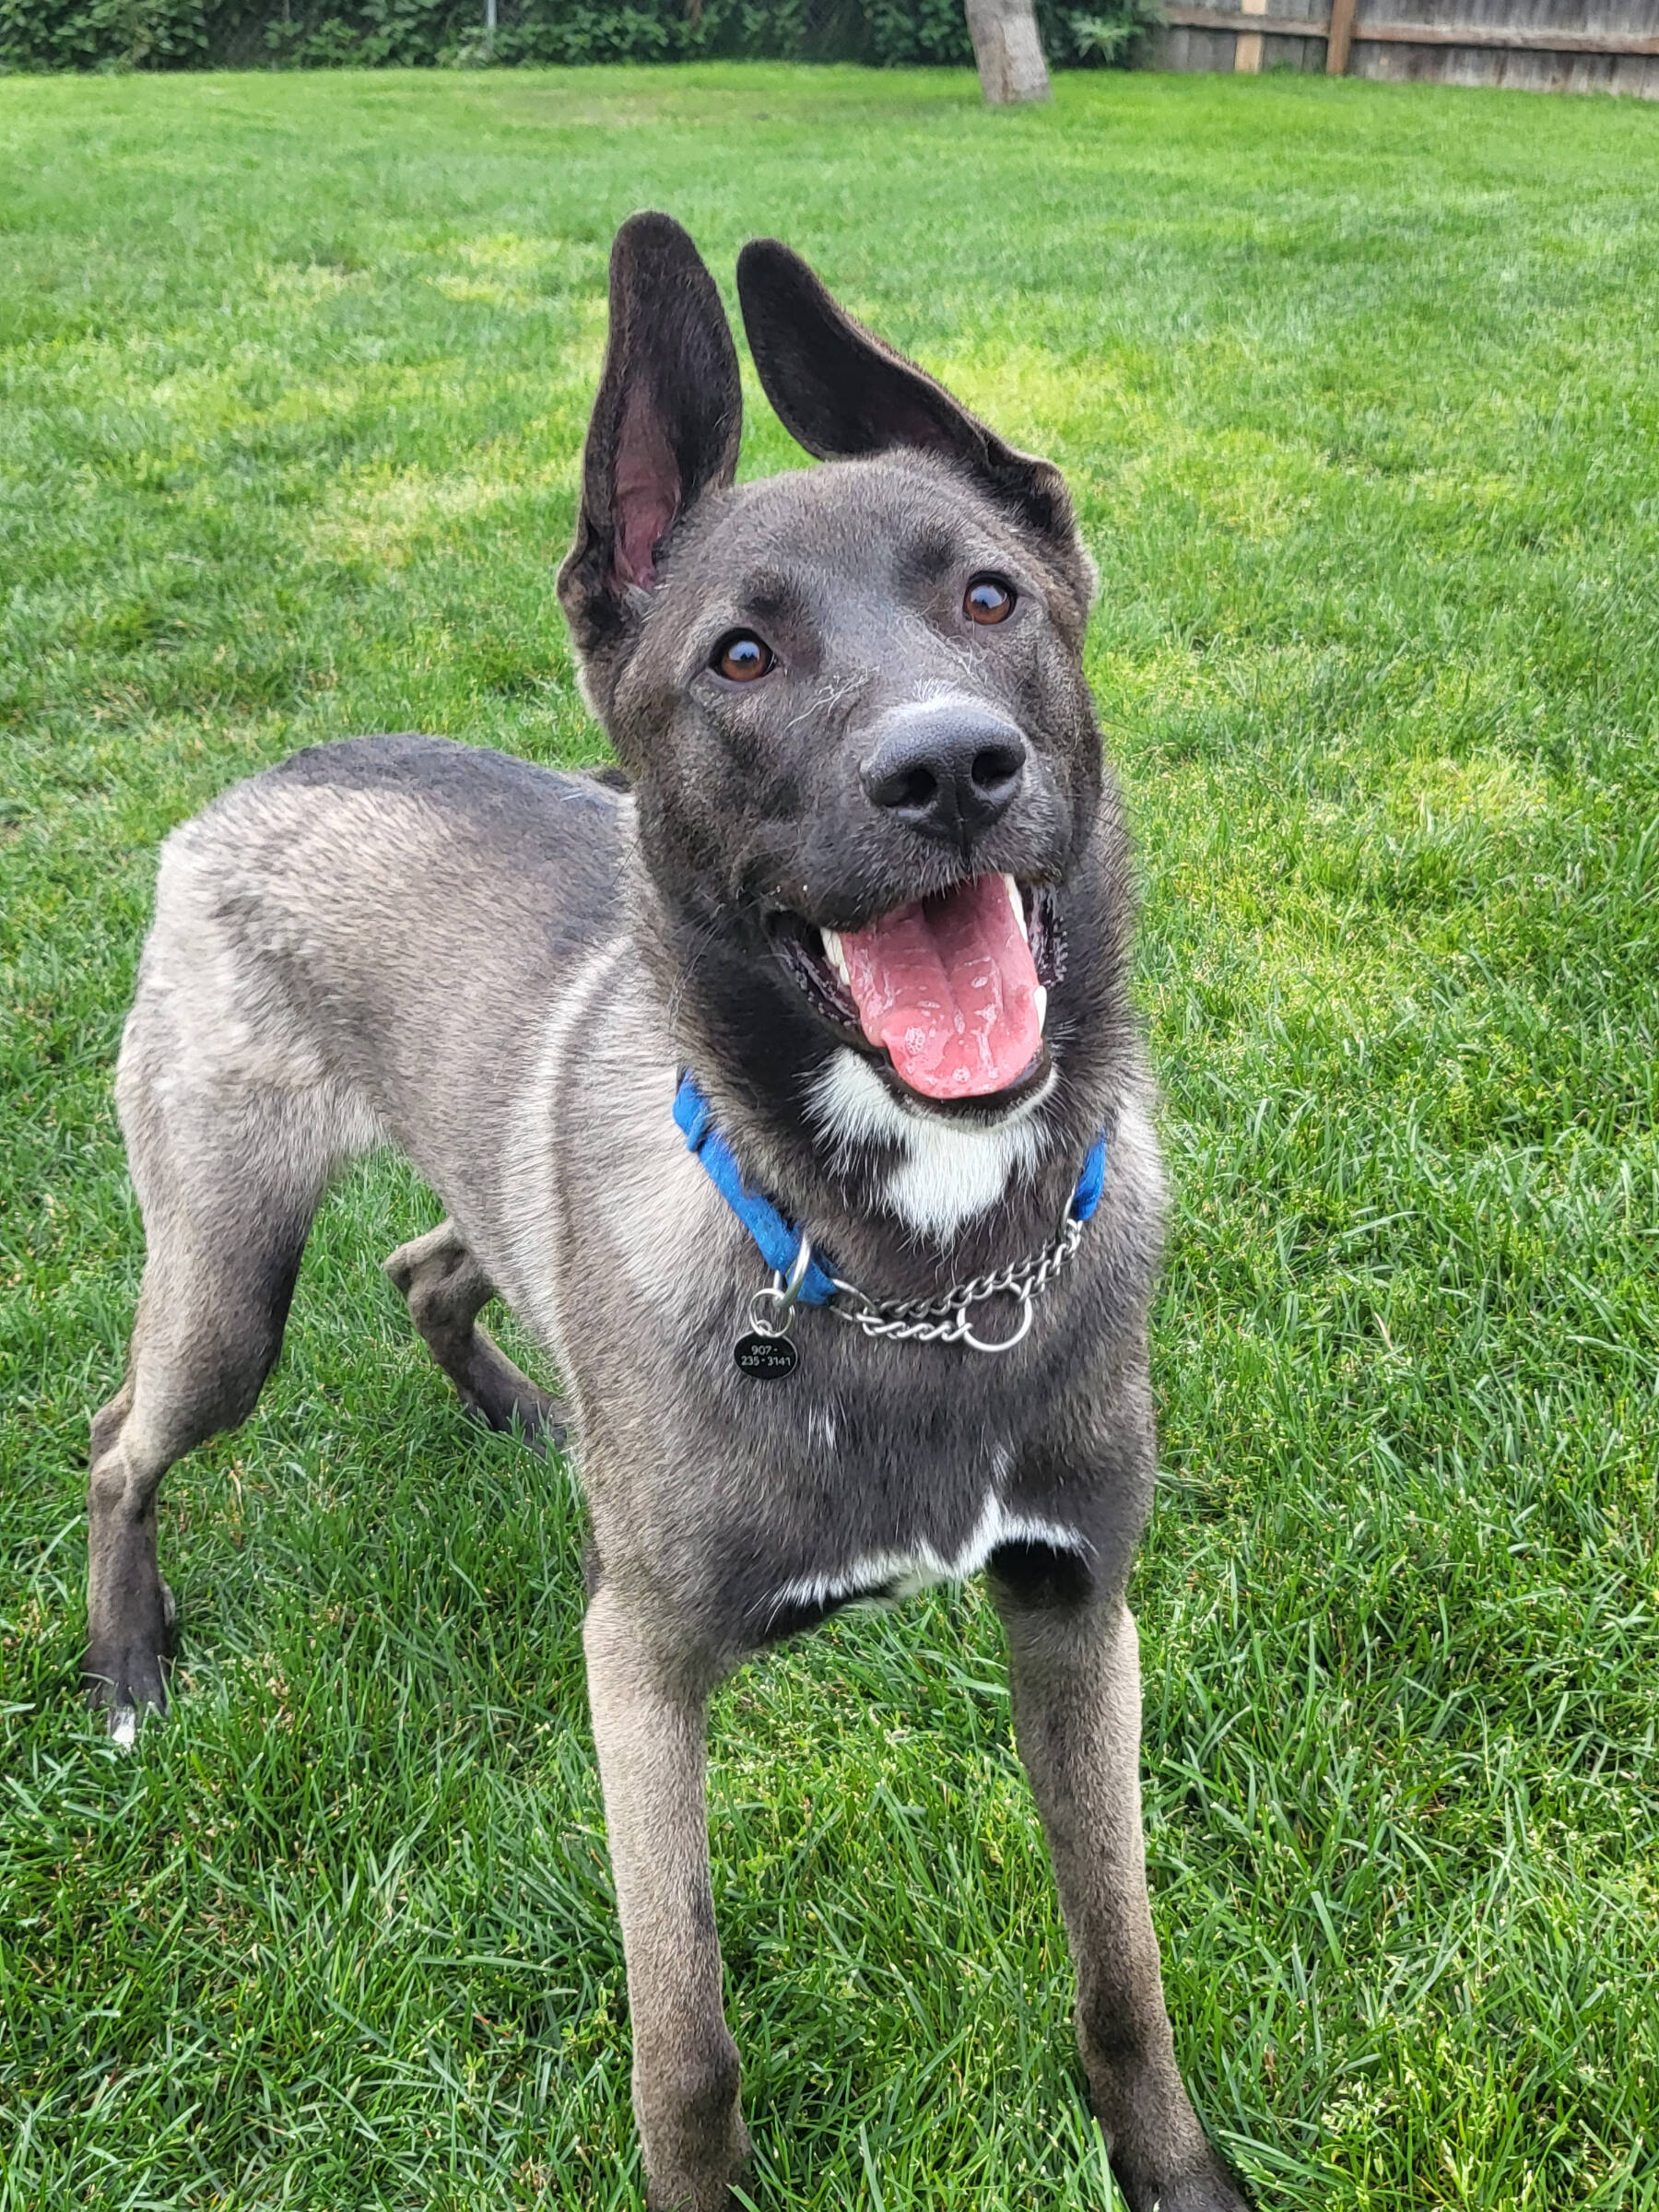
point(765, 1358)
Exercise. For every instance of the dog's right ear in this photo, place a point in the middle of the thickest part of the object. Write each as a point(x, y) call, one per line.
point(665, 427)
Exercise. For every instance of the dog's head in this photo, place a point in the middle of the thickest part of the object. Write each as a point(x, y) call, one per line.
point(851, 699)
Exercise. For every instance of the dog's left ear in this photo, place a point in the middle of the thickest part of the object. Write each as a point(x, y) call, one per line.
point(666, 426)
point(841, 392)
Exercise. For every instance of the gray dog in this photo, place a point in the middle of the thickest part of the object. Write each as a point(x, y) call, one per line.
point(788, 1090)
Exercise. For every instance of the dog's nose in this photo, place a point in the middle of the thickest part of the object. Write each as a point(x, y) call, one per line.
point(948, 768)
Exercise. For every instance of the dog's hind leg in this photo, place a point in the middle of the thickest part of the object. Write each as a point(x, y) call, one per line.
point(447, 1290)
point(227, 1178)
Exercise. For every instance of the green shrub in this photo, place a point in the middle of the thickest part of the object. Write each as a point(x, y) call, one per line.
point(106, 34)
point(184, 34)
point(1108, 39)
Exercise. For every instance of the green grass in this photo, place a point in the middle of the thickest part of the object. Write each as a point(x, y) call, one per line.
point(1356, 386)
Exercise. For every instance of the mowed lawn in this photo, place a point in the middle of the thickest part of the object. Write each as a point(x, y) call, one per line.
point(1359, 388)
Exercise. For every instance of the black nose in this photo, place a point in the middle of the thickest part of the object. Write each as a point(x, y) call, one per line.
point(948, 768)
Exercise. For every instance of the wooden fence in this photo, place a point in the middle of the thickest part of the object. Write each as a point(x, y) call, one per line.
point(1536, 46)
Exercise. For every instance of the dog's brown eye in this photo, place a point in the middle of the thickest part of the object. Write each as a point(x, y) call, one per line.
point(742, 657)
point(988, 599)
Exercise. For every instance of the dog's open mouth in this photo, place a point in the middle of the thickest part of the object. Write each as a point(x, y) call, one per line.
point(953, 989)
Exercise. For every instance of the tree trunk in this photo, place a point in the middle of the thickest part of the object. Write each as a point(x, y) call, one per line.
point(1007, 50)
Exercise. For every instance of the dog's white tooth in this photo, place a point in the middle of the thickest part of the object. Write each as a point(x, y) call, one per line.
point(835, 955)
point(1018, 902)
point(1039, 1000)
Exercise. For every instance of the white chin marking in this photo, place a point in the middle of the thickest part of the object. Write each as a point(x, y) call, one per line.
point(948, 1172)
point(905, 1573)
point(123, 1727)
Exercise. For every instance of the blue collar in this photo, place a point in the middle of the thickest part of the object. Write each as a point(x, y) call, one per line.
point(778, 1242)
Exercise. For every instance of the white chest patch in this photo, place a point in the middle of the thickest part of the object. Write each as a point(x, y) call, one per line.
point(946, 1172)
point(890, 1575)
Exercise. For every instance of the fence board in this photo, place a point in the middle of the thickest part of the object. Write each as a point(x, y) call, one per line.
point(1610, 45)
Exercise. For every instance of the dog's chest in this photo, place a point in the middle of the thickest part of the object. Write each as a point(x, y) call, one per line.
point(940, 1175)
point(880, 1518)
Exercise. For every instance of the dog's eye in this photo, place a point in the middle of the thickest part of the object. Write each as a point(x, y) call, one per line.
point(741, 657)
point(988, 599)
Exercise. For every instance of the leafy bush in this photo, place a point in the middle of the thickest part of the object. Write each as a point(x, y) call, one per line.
point(1109, 41)
point(111, 34)
point(184, 34)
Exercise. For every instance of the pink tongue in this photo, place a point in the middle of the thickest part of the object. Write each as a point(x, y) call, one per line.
point(948, 987)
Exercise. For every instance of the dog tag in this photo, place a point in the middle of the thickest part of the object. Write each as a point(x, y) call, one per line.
point(765, 1358)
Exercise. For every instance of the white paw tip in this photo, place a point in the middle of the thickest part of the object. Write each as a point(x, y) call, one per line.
point(123, 1727)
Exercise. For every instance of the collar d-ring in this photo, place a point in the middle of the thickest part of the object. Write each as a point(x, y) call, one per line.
point(776, 1301)
point(967, 1336)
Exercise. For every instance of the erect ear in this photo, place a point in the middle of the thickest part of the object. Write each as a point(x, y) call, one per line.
point(665, 425)
point(841, 390)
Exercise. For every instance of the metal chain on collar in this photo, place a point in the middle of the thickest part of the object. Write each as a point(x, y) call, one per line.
point(945, 1320)
point(925, 1320)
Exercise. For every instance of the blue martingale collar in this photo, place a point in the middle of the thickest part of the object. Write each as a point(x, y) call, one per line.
point(782, 1244)
point(778, 1244)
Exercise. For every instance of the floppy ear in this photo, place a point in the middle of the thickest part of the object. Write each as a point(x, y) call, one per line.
point(840, 391)
point(666, 426)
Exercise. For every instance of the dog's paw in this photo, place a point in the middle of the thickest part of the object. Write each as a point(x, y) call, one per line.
point(720, 2149)
point(714, 2196)
point(125, 1686)
point(1210, 2189)
point(125, 1674)
point(1204, 2193)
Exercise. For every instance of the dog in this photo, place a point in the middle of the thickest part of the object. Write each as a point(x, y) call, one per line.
point(785, 1082)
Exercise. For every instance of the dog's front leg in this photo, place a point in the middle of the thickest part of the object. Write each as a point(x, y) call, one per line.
point(649, 1727)
point(1075, 1676)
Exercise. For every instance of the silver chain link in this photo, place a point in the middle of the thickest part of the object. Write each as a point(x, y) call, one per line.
point(945, 1320)
point(942, 1320)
